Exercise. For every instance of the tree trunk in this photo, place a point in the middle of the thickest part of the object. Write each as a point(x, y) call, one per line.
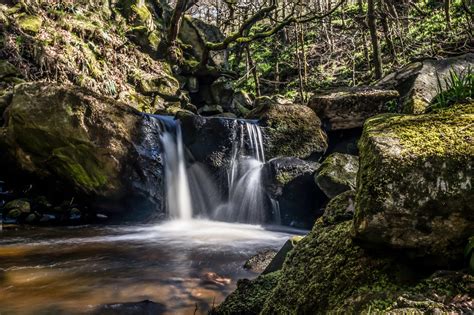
point(447, 9)
point(376, 55)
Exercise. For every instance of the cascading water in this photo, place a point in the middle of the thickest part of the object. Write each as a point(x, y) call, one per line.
point(246, 201)
point(191, 191)
point(178, 195)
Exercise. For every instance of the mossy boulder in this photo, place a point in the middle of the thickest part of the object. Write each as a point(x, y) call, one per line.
point(418, 82)
point(92, 145)
point(249, 297)
point(341, 208)
point(349, 108)
point(29, 23)
point(338, 174)
point(327, 272)
point(17, 208)
point(415, 188)
point(290, 130)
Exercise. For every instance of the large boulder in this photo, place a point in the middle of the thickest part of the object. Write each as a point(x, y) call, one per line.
point(415, 189)
point(418, 84)
point(92, 146)
point(290, 130)
point(338, 174)
point(349, 108)
point(328, 273)
point(290, 183)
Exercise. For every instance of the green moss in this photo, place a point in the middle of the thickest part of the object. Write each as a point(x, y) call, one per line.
point(292, 130)
point(30, 24)
point(328, 273)
point(340, 208)
point(80, 166)
point(249, 296)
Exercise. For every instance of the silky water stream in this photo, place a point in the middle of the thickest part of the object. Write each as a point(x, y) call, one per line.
point(185, 265)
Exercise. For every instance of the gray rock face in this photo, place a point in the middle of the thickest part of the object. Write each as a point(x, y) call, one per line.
point(350, 107)
point(418, 82)
point(100, 149)
point(290, 182)
point(260, 261)
point(415, 189)
point(338, 174)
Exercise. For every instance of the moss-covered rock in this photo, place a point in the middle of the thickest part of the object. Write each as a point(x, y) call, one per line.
point(415, 188)
point(290, 130)
point(86, 142)
point(30, 23)
point(341, 208)
point(17, 208)
point(249, 296)
point(328, 273)
point(338, 174)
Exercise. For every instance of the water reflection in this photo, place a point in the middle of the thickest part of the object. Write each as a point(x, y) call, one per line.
point(182, 265)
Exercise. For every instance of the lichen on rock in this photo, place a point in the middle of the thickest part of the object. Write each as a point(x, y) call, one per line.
point(415, 188)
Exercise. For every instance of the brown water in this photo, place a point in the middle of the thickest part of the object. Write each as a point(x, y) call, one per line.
point(185, 266)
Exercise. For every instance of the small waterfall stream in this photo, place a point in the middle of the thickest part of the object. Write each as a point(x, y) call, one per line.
point(191, 190)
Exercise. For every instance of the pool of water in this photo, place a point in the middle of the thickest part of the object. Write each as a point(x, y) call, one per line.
point(185, 266)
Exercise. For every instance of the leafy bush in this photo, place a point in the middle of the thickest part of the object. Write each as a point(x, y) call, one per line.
point(459, 88)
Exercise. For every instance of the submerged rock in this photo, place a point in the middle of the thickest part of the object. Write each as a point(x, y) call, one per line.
point(139, 308)
point(93, 146)
point(17, 208)
point(350, 107)
point(415, 189)
point(418, 84)
point(290, 130)
point(338, 174)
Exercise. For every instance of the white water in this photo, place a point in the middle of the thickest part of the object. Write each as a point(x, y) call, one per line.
point(192, 191)
point(178, 195)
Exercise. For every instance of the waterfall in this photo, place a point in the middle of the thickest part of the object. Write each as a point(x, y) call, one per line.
point(191, 191)
point(178, 195)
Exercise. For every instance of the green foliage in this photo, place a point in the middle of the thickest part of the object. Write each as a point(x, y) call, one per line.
point(458, 88)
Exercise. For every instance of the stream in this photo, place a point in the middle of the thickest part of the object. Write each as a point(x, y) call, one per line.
point(185, 266)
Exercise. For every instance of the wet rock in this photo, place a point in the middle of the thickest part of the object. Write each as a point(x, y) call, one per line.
point(259, 262)
point(209, 139)
point(350, 107)
point(290, 130)
point(338, 174)
point(140, 308)
point(290, 183)
point(341, 208)
point(417, 83)
point(415, 183)
point(95, 147)
point(17, 208)
point(277, 262)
